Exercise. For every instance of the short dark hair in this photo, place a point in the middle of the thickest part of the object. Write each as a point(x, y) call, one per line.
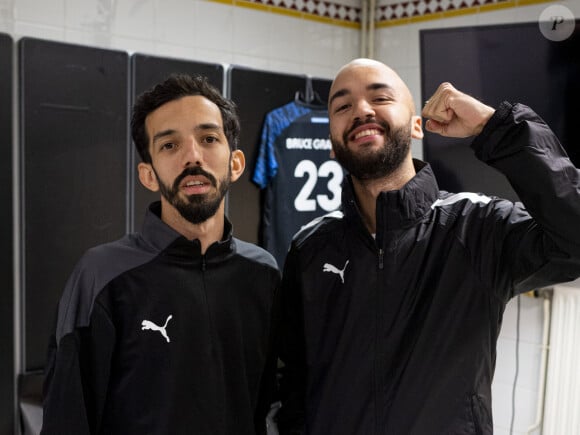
point(175, 87)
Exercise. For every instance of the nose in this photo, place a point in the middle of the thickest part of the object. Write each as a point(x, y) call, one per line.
point(363, 110)
point(192, 153)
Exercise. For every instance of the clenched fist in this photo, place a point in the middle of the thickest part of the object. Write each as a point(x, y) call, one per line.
point(452, 113)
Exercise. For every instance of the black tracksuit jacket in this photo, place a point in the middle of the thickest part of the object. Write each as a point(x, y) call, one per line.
point(396, 334)
point(153, 337)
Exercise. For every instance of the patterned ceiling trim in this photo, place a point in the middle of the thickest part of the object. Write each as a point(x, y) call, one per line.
point(403, 12)
point(322, 11)
point(406, 12)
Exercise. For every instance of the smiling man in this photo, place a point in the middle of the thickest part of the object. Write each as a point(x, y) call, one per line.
point(169, 330)
point(391, 308)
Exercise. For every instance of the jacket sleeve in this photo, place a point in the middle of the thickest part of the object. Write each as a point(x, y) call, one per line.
point(541, 248)
point(268, 394)
point(290, 417)
point(77, 373)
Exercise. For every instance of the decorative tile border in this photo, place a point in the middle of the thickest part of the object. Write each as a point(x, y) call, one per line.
point(402, 12)
point(317, 10)
point(406, 12)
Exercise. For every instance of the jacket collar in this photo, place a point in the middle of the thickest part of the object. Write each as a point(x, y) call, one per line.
point(399, 208)
point(162, 238)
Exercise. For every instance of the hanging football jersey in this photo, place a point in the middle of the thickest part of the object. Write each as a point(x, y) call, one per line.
point(294, 167)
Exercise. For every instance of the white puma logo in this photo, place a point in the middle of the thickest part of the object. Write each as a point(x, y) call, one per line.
point(330, 268)
point(147, 324)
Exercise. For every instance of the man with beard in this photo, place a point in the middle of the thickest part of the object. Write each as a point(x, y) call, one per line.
point(169, 330)
point(391, 308)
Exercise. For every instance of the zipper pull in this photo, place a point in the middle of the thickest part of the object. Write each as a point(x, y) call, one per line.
point(381, 256)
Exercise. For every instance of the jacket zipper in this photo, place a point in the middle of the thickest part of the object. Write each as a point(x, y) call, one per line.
point(206, 303)
point(379, 353)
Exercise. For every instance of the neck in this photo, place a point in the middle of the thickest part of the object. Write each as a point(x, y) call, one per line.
point(367, 191)
point(207, 232)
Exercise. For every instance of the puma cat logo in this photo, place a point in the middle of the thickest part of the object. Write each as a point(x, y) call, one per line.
point(147, 324)
point(330, 268)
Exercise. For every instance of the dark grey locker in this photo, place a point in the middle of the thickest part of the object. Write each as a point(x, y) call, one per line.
point(6, 244)
point(256, 93)
point(74, 138)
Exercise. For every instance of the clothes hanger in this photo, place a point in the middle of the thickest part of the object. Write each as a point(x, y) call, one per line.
point(309, 96)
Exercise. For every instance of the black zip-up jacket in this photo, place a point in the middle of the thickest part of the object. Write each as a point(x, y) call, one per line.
point(152, 337)
point(396, 334)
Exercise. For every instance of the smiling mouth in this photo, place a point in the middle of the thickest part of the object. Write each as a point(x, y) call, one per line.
point(366, 132)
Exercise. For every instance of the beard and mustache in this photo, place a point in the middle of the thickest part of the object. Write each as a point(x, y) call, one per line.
point(374, 164)
point(196, 208)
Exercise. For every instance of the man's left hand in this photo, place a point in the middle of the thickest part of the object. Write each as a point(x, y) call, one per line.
point(452, 113)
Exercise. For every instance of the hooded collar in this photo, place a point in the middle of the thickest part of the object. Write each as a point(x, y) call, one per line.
point(398, 208)
point(164, 239)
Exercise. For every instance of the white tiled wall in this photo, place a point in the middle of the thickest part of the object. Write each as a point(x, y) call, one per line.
point(190, 29)
point(215, 32)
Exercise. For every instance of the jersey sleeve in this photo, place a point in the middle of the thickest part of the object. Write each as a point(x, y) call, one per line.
point(77, 374)
point(537, 245)
point(266, 163)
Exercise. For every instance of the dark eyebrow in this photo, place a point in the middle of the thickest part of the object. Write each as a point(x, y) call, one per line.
point(170, 131)
point(208, 126)
point(377, 86)
point(371, 87)
point(162, 134)
point(337, 94)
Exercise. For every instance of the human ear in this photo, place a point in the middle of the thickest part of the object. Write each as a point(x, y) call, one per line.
point(332, 154)
point(416, 127)
point(147, 176)
point(238, 164)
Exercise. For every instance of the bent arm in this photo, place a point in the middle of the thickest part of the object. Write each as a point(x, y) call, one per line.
point(519, 144)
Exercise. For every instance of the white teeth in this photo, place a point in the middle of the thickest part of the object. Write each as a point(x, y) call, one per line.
point(368, 132)
point(194, 183)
